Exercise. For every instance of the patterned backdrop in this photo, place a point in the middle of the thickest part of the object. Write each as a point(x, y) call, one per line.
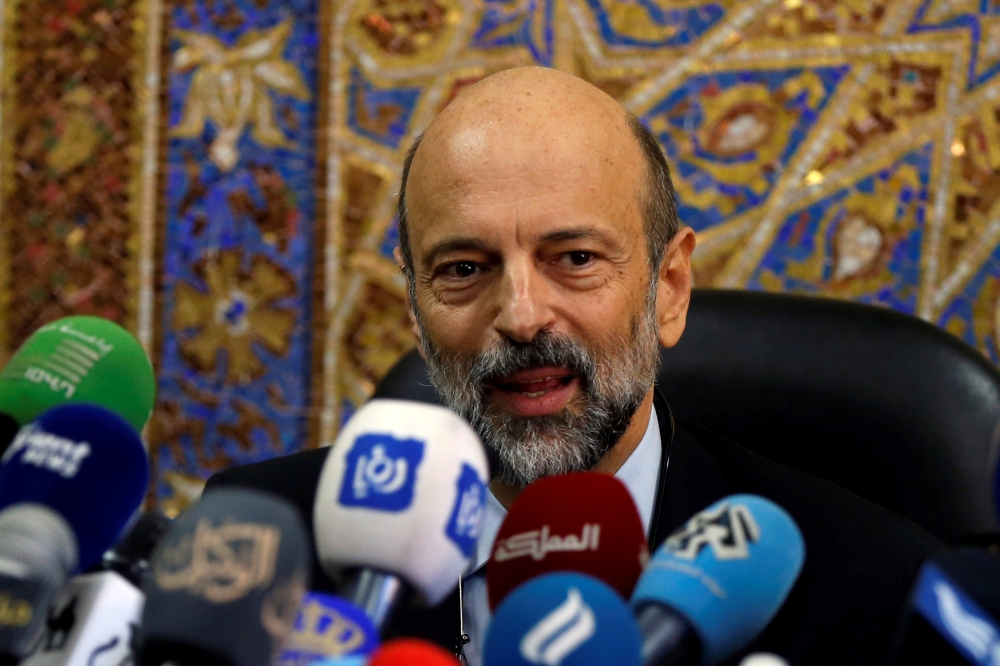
point(219, 175)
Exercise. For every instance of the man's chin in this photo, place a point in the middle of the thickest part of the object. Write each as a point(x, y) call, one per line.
point(526, 405)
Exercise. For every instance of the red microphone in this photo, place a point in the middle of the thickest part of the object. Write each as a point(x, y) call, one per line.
point(585, 522)
point(412, 652)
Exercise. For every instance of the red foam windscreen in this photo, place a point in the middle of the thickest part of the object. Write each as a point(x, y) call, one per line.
point(412, 652)
point(584, 522)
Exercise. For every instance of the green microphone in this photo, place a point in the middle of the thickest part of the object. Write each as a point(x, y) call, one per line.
point(79, 359)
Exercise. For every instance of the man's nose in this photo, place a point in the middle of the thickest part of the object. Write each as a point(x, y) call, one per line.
point(523, 309)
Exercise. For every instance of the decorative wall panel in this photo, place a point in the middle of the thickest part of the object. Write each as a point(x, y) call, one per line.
point(71, 124)
point(238, 241)
point(220, 175)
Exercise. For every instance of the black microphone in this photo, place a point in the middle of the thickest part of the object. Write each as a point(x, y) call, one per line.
point(953, 612)
point(226, 582)
point(130, 556)
point(37, 553)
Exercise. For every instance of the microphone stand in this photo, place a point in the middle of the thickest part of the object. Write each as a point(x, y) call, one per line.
point(377, 593)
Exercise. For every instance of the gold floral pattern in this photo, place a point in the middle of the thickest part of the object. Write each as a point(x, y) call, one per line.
point(238, 311)
point(231, 88)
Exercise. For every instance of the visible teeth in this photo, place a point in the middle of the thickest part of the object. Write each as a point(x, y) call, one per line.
point(545, 379)
point(535, 394)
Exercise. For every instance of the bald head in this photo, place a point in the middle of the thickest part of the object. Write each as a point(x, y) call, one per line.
point(544, 124)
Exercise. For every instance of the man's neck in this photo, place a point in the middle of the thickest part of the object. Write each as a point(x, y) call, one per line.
point(609, 464)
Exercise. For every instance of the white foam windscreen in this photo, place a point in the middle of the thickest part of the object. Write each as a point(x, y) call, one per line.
point(403, 491)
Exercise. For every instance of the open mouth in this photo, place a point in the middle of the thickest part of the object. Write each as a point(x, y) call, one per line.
point(534, 392)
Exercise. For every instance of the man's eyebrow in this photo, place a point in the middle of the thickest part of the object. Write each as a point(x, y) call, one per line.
point(581, 233)
point(456, 245)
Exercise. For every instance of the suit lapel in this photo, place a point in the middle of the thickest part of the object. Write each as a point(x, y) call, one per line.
point(690, 477)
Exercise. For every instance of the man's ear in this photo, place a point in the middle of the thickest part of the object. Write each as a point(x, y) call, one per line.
point(673, 289)
point(397, 254)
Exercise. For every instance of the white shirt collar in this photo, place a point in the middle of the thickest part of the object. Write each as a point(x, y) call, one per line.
point(640, 474)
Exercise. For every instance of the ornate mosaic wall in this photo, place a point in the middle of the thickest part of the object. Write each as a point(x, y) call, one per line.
point(219, 175)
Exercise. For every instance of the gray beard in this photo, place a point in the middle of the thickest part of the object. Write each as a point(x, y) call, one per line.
point(613, 384)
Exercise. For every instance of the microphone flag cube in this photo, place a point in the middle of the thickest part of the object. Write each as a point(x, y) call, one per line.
point(328, 627)
point(412, 652)
point(728, 570)
point(227, 582)
point(93, 623)
point(585, 522)
point(85, 462)
point(568, 619)
point(79, 359)
point(402, 491)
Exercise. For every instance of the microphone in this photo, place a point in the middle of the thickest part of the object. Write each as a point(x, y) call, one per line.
point(763, 659)
point(953, 614)
point(226, 582)
point(715, 583)
point(412, 652)
point(564, 619)
point(328, 627)
point(584, 522)
point(93, 624)
point(401, 496)
point(85, 462)
point(95, 621)
point(78, 360)
point(130, 556)
point(37, 553)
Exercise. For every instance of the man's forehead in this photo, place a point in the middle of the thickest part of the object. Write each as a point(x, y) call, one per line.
point(532, 113)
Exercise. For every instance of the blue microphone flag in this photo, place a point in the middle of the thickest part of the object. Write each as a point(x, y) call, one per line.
point(563, 619)
point(328, 627)
point(727, 571)
point(956, 616)
point(85, 462)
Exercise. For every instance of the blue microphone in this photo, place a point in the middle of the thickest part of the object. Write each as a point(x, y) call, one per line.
point(354, 660)
point(86, 463)
point(328, 627)
point(716, 583)
point(953, 613)
point(567, 619)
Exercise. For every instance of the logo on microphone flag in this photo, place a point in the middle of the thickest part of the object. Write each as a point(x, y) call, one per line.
point(48, 451)
point(381, 472)
point(957, 617)
point(726, 529)
point(220, 563)
point(561, 632)
point(467, 516)
point(328, 627)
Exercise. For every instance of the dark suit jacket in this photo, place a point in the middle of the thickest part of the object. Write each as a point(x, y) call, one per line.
point(860, 558)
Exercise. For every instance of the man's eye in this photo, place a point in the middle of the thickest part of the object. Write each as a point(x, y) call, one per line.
point(580, 258)
point(460, 269)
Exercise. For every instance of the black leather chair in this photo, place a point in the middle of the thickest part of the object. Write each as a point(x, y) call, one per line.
point(884, 404)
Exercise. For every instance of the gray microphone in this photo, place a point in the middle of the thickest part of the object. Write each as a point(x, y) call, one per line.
point(38, 551)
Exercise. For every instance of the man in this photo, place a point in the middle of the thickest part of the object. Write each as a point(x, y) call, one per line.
point(546, 265)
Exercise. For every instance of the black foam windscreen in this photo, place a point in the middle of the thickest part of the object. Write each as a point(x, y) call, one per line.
point(226, 582)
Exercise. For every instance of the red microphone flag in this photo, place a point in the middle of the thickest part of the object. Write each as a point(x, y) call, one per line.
point(585, 522)
point(412, 652)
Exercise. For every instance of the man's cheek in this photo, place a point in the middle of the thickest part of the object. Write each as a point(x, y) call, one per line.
point(449, 320)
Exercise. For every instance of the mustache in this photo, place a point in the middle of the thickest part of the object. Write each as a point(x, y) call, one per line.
point(546, 349)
